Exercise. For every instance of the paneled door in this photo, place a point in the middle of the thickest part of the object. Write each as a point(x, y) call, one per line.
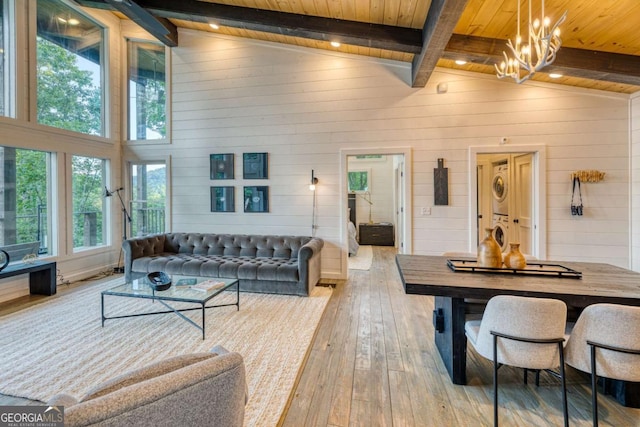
point(522, 197)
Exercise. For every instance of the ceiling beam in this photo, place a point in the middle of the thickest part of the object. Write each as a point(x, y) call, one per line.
point(161, 28)
point(588, 64)
point(441, 19)
point(355, 33)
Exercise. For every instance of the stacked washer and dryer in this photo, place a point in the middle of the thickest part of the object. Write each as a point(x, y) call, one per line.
point(500, 191)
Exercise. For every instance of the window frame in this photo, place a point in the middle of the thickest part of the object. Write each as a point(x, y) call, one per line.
point(125, 93)
point(105, 109)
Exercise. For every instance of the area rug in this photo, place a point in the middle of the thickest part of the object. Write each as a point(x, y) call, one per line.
point(60, 346)
point(363, 258)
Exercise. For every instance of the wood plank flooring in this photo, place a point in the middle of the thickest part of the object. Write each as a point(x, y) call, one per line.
point(374, 363)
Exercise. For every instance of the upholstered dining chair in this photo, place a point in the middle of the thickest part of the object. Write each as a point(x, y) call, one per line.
point(522, 332)
point(605, 341)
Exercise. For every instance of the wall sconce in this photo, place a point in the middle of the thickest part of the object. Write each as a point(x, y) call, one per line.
point(314, 181)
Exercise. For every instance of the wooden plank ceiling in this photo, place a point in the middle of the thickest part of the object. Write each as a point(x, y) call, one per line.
point(600, 48)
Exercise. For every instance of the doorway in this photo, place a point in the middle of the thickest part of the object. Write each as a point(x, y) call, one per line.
point(375, 198)
point(507, 193)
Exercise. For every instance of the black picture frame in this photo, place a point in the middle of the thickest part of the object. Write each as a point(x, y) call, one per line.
point(223, 199)
point(256, 198)
point(222, 166)
point(255, 165)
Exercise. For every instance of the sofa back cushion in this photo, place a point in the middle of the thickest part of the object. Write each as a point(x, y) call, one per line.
point(235, 245)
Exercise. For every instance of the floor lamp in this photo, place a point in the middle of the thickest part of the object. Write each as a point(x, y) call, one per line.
point(126, 218)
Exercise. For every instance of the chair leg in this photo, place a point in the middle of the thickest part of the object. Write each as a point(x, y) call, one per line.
point(565, 409)
point(495, 381)
point(594, 387)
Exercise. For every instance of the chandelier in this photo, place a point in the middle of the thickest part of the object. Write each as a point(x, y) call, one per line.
point(535, 53)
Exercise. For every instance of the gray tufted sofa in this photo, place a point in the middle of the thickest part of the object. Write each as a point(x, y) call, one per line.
point(269, 264)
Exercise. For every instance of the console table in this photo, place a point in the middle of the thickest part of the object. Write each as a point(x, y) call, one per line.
point(378, 234)
point(42, 276)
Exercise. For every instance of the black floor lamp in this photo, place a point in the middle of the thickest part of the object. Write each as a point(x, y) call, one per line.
point(126, 218)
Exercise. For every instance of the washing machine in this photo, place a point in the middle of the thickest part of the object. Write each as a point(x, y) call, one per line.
point(501, 231)
point(500, 189)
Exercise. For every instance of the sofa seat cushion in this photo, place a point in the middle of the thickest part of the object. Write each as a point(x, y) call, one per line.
point(230, 267)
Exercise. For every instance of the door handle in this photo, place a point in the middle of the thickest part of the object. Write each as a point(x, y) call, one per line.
point(515, 221)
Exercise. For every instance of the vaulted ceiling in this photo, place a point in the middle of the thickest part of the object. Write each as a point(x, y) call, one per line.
point(600, 50)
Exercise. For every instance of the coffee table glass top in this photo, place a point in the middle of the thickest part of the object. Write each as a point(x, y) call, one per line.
point(181, 289)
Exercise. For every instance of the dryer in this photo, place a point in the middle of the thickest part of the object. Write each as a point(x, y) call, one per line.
point(500, 189)
point(501, 231)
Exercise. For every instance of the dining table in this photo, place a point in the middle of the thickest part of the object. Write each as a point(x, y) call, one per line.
point(455, 282)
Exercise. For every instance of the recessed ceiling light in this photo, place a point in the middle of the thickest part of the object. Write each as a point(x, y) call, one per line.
point(61, 19)
point(335, 44)
point(73, 21)
point(460, 61)
point(214, 26)
point(555, 75)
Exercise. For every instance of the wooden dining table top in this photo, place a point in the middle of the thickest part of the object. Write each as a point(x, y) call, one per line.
point(600, 283)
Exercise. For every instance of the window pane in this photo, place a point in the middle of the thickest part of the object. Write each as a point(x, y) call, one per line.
point(88, 201)
point(5, 64)
point(69, 69)
point(24, 214)
point(149, 198)
point(358, 181)
point(147, 100)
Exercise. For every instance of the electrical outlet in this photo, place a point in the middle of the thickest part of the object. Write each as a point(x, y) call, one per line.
point(425, 211)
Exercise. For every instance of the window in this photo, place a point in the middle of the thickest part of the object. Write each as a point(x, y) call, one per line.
point(149, 183)
point(69, 69)
point(358, 181)
point(25, 179)
point(6, 51)
point(88, 183)
point(147, 91)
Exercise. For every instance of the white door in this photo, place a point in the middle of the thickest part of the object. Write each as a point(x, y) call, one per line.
point(483, 201)
point(521, 227)
point(399, 203)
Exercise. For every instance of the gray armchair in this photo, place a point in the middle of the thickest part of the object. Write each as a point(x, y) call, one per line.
point(190, 390)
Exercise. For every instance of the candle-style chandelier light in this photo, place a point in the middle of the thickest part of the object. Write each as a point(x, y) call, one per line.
point(531, 55)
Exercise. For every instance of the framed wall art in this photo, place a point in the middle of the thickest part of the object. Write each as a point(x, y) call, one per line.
point(256, 199)
point(223, 199)
point(222, 166)
point(255, 166)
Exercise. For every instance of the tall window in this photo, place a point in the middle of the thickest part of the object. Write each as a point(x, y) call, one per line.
point(88, 183)
point(149, 185)
point(6, 80)
point(25, 219)
point(69, 69)
point(147, 91)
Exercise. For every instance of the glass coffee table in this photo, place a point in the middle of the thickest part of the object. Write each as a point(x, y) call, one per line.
point(181, 290)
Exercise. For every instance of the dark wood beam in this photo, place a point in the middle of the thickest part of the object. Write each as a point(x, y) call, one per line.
point(588, 64)
point(441, 19)
point(378, 36)
point(161, 28)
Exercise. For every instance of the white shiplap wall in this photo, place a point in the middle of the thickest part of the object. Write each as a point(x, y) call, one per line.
point(303, 106)
point(635, 182)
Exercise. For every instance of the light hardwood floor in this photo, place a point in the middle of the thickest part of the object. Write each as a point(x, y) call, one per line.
point(373, 363)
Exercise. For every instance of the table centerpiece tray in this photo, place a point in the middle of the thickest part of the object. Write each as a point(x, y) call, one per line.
point(532, 269)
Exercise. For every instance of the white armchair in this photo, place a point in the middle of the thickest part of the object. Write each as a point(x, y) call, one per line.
point(605, 341)
point(522, 332)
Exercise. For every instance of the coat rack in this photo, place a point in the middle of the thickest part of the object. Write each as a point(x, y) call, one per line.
point(588, 175)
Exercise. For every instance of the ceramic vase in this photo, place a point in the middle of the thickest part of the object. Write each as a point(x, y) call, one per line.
point(515, 259)
point(489, 253)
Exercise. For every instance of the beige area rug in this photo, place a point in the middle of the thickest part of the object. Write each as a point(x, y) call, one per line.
point(59, 346)
point(363, 258)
